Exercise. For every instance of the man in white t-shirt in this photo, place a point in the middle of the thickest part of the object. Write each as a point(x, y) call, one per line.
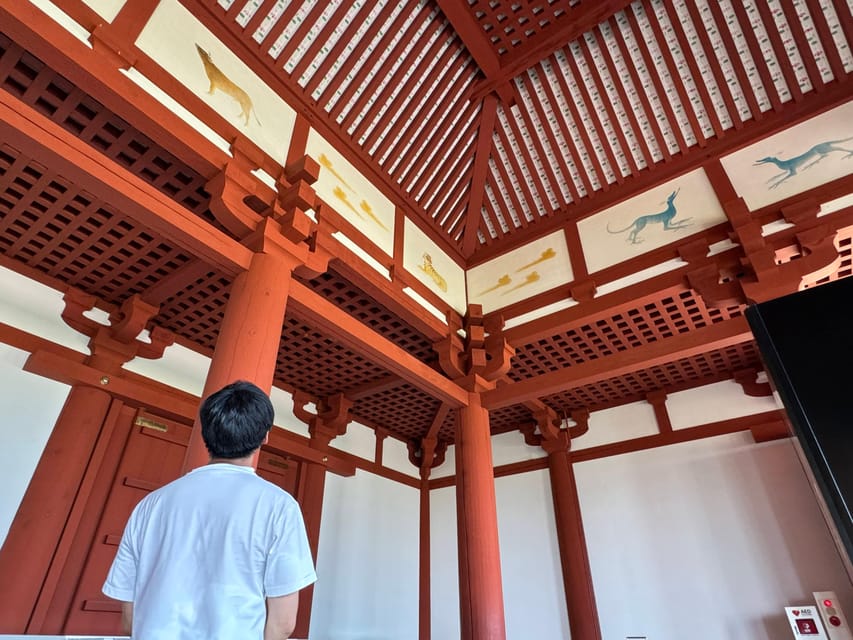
point(219, 554)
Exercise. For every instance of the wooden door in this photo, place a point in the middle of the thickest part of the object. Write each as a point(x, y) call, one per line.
point(153, 457)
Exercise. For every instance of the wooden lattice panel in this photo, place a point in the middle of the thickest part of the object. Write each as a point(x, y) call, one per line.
point(31, 81)
point(196, 311)
point(510, 418)
point(405, 411)
point(348, 297)
point(511, 24)
point(605, 336)
point(311, 362)
point(50, 225)
point(703, 369)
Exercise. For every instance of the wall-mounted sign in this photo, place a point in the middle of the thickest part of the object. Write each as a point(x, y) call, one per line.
point(805, 622)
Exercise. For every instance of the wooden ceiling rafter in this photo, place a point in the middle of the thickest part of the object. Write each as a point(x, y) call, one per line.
point(736, 61)
point(597, 125)
point(628, 108)
point(551, 98)
point(716, 70)
point(476, 42)
point(821, 22)
point(412, 92)
point(578, 19)
point(361, 116)
point(672, 70)
point(479, 174)
point(621, 141)
point(782, 59)
point(421, 152)
point(434, 165)
point(645, 104)
point(660, 91)
point(708, 107)
point(506, 190)
point(539, 190)
point(539, 142)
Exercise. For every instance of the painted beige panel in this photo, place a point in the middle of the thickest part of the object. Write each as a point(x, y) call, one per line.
point(669, 212)
point(527, 271)
point(352, 195)
point(180, 44)
point(107, 9)
point(423, 259)
point(810, 154)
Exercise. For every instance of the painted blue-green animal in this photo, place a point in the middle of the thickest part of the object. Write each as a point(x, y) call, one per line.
point(791, 166)
point(665, 218)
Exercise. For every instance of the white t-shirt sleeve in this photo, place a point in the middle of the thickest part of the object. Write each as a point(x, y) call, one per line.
point(290, 566)
point(121, 580)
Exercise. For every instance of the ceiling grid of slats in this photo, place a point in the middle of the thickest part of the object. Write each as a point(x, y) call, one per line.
point(650, 81)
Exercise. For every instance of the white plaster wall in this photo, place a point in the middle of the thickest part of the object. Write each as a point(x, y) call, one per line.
point(534, 604)
point(628, 421)
point(29, 406)
point(705, 540)
point(444, 567)
point(367, 568)
point(715, 402)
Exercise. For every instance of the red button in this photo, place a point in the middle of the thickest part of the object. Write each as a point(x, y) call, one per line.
point(835, 621)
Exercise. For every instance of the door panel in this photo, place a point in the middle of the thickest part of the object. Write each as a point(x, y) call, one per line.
point(153, 456)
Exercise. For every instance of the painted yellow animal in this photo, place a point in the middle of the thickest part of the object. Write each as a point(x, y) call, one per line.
point(427, 268)
point(219, 81)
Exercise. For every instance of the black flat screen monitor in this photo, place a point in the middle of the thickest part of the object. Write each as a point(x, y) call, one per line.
point(806, 342)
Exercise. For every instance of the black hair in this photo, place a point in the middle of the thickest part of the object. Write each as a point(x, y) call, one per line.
point(235, 420)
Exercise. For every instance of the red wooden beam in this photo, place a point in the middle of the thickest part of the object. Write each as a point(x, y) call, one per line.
point(709, 338)
point(352, 333)
point(482, 154)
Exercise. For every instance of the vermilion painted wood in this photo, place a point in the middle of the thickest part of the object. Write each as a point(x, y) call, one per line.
point(716, 336)
point(704, 95)
point(424, 599)
point(465, 630)
point(488, 115)
point(151, 459)
point(46, 506)
point(779, 51)
point(795, 23)
point(526, 189)
point(249, 336)
point(480, 523)
point(719, 77)
point(819, 17)
point(623, 147)
point(844, 17)
point(659, 89)
point(55, 598)
point(677, 81)
point(643, 96)
point(533, 175)
point(514, 202)
point(577, 576)
point(52, 145)
point(415, 90)
point(757, 423)
point(354, 119)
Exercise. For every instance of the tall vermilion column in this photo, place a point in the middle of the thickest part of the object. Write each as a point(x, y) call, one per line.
point(480, 521)
point(249, 336)
point(577, 577)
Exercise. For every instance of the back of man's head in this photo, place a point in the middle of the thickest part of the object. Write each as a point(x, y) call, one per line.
point(235, 420)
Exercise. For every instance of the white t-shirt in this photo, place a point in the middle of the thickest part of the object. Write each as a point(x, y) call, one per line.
point(200, 555)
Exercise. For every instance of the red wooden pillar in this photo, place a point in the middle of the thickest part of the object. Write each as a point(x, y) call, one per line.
point(480, 523)
point(465, 632)
point(577, 577)
point(46, 506)
point(424, 596)
point(249, 336)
